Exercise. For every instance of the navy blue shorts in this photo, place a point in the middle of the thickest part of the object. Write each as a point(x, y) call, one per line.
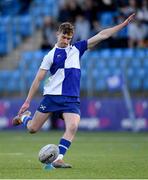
point(59, 104)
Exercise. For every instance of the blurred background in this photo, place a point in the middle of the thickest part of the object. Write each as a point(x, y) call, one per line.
point(114, 78)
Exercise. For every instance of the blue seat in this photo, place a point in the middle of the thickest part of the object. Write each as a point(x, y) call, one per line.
point(115, 71)
point(10, 7)
point(83, 79)
point(86, 63)
point(9, 80)
point(1, 85)
point(94, 55)
point(26, 27)
point(40, 9)
point(131, 72)
point(30, 75)
point(5, 40)
point(47, 11)
point(38, 2)
point(33, 66)
point(112, 63)
point(128, 53)
point(38, 58)
point(27, 56)
point(86, 80)
point(38, 55)
point(41, 2)
point(145, 63)
point(100, 74)
point(100, 85)
point(5, 21)
point(14, 81)
point(135, 84)
point(37, 15)
point(140, 53)
point(16, 36)
point(146, 52)
point(4, 77)
point(100, 64)
point(117, 53)
point(123, 62)
point(141, 73)
point(16, 40)
point(28, 61)
point(31, 59)
point(145, 84)
point(106, 53)
point(135, 63)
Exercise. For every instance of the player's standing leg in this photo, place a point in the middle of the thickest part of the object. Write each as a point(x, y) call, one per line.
point(71, 125)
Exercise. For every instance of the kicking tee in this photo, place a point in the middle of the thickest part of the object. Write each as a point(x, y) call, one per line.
point(64, 67)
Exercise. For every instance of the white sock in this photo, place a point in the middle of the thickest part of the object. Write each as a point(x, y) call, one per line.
point(22, 118)
point(60, 156)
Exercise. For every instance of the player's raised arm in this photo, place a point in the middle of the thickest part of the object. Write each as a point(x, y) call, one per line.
point(34, 87)
point(106, 33)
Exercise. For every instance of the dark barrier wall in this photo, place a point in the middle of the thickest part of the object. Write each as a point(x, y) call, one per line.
point(96, 114)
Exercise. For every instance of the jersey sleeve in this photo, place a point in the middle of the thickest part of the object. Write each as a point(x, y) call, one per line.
point(46, 63)
point(81, 46)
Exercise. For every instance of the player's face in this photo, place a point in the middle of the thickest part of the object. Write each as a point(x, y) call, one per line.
point(63, 40)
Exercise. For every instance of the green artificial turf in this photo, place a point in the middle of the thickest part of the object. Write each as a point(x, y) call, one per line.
point(92, 154)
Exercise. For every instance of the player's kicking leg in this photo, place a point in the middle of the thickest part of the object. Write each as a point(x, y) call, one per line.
point(17, 120)
point(32, 124)
point(71, 123)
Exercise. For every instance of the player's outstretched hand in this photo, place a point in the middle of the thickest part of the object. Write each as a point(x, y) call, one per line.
point(129, 19)
point(24, 107)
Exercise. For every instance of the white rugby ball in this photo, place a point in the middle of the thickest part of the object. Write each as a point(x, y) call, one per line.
point(48, 153)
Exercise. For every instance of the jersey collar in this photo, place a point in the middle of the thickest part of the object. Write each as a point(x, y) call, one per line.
point(63, 48)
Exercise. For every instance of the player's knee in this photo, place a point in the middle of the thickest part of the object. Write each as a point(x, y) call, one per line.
point(32, 130)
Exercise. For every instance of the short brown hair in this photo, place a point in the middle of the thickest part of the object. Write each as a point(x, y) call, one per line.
point(66, 28)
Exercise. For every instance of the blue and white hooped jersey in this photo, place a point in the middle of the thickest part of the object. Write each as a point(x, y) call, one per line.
point(64, 67)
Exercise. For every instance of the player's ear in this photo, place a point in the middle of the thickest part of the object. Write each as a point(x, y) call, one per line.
point(57, 33)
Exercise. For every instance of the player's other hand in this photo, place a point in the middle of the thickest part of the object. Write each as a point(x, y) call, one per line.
point(24, 107)
point(129, 19)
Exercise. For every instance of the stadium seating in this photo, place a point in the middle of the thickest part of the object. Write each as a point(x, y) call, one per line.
point(40, 9)
point(5, 35)
point(10, 7)
point(100, 85)
point(105, 53)
point(128, 53)
point(135, 84)
point(23, 25)
point(12, 30)
point(9, 80)
point(16, 36)
point(14, 81)
point(5, 44)
point(23, 22)
point(117, 53)
point(97, 66)
point(145, 84)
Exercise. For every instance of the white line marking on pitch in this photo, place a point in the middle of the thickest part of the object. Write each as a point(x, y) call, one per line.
point(11, 154)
